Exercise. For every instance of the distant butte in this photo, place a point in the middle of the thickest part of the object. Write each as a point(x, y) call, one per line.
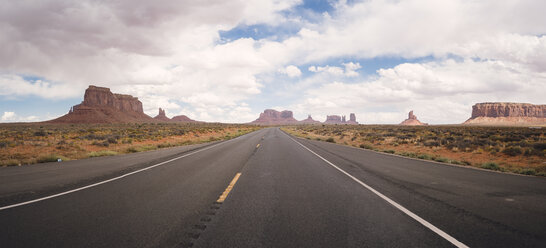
point(161, 116)
point(336, 119)
point(412, 120)
point(274, 117)
point(100, 105)
point(507, 114)
point(286, 117)
point(309, 120)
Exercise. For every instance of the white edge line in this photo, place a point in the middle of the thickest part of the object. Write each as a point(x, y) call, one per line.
point(395, 204)
point(111, 179)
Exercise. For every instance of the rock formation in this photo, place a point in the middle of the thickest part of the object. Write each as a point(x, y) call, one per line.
point(412, 120)
point(161, 116)
point(336, 119)
point(309, 120)
point(507, 113)
point(333, 119)
point(352, 119)
point(182, 118)
point(274, 117)
point(100, 105)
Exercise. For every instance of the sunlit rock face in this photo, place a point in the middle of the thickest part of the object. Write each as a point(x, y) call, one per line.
point(100, 105)
point(507, 113)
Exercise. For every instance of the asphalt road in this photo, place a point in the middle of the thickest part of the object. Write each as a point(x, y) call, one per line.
point(290, 193)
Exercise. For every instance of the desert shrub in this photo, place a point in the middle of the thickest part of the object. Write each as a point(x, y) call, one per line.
point(441, 159)
point(539, 146)
point(431, 143)
point(164, 145)
point(47, 158)
point(491, 166)
point(424, 156)
point(105, 143)
point(112, 140)
point(512, 151)
point(331, 140)
point(101, 153)
point(528, 171)
point(4, 143)
point(9, 162)
point(389, 151)
point(132, 150)
point(366, 146)
point(40, 133)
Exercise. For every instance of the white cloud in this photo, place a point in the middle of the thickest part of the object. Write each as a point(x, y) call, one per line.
point(439, 92)
point(12, 86)
point(350, 69)
point(291, 71)
point(170, 54)
point(9, 116)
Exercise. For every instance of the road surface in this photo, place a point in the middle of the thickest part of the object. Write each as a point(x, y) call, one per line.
point(267, 189)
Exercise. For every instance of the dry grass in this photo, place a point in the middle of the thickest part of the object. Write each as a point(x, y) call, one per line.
point(22, 144)
point(511, 149)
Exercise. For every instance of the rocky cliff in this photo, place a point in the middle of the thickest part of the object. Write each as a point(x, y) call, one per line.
point(274, 117)
point(507, 113)
point(100, 105)
point(412, 120)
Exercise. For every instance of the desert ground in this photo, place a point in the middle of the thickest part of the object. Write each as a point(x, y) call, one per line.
point(519, 150)
point(30, 143)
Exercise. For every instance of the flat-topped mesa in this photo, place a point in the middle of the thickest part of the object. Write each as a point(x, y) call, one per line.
point(508, 109)
point(103, 97)
point(507, 113)
point(274, 117)
point(100, 105)
point(161, 116)
point(412, 120)
point(336, 119)
point(333, 119)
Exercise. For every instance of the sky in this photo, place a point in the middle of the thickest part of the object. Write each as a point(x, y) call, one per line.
point(227, 61)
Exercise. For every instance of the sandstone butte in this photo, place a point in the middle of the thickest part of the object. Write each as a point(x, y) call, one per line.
point(412, 120)
point(100, 105)
point(179, 118)
point(309, 120)
point(507, 114)
point(286, 117)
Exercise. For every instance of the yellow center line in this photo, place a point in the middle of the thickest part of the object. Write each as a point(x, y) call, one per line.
point(228, 189)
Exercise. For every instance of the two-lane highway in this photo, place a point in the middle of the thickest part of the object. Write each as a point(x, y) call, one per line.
point(153, 208)
point(290, 193)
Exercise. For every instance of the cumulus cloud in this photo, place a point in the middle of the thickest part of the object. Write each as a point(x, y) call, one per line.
point(349, 70)
point(439, 92)
point(291, 71)
point(170, 54)
point(9, 116)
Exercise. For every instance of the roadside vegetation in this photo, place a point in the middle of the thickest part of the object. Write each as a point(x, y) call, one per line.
point(509, 149)
point(22, 144)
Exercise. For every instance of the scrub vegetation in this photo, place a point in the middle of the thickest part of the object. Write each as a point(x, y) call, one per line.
point(30, 143)
point(509, 149)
